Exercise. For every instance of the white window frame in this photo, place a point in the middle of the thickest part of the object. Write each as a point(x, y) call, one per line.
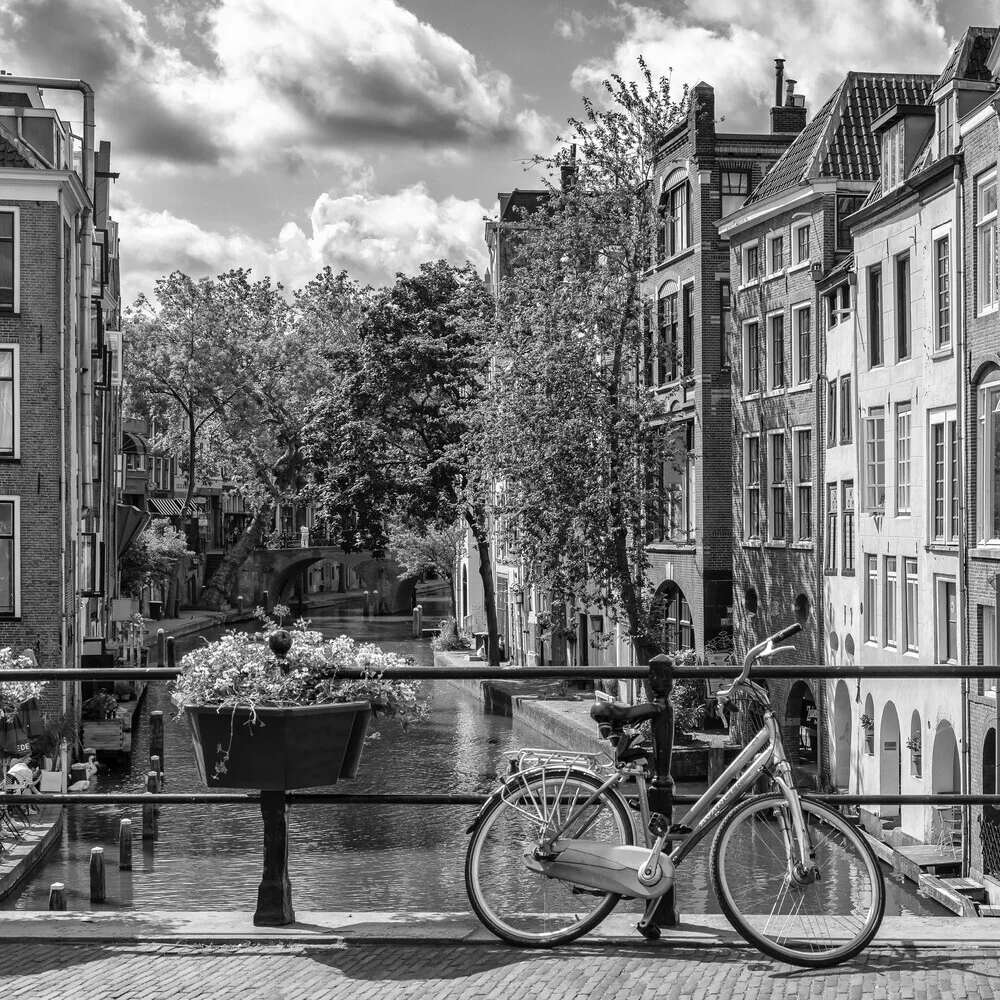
point(987, 473)
point(893, 139)
point(802, 488)
point(728, 199)
point(872, 485)
point(837, 311)
point(942, 344)
point(776, 487)
point(871, 599)
point(832, 515)
point(751, 486)
point(890, 596)
point(941, 584)
point(910, 602)
point(797, 227)
point(848, 514)
point(769, 242)
point(987, 293)
point(951, 486)
point(771, 355)
point(761, 362)
point(16, 213)
point(903, 458)
point(797, 312)
point(16, 583)
point(15, 352)
point(744, 258)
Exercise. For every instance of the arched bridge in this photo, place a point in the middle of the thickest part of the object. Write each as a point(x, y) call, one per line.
point(279, 571)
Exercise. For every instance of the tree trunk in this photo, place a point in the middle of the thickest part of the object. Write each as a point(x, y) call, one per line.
point(489, 591)
point(216, 592)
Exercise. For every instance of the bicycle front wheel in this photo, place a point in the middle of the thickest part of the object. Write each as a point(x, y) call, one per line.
point(812, 919)
point(525, 907)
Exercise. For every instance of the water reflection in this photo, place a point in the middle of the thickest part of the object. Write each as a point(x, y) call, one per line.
point(371, 857)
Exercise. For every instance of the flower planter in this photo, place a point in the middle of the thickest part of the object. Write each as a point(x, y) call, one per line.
point(286, 748)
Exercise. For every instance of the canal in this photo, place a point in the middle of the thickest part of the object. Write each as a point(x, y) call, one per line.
point(341, 857)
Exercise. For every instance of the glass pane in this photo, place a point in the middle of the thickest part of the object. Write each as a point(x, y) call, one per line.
point(7, 575)
point(6, 364)
point(993, 431)
point(6, 417)
point(6, 520)
point(6, 226)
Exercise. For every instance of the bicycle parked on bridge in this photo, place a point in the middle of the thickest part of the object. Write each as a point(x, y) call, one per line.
point(556, 846)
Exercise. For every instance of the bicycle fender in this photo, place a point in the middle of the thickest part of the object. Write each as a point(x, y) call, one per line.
point(510, 780)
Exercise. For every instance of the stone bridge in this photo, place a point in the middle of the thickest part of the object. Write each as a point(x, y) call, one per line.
point(279, 570)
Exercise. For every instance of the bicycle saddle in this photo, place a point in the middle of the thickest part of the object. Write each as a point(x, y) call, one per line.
point(616, 711)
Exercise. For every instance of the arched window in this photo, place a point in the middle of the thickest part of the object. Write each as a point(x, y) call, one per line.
point(670, 619)
point(675, 233)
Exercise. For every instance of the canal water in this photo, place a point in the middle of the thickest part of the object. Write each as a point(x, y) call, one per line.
point(341, 857)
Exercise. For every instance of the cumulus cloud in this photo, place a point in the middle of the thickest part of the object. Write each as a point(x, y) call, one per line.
point(270, 79)
point(371, 236)
point(732, 45)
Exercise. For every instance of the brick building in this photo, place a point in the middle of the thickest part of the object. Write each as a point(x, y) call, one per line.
point(793, 426)
point(702, 175)
point(60, 377)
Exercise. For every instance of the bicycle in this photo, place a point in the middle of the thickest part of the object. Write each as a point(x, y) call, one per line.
point(556, 846)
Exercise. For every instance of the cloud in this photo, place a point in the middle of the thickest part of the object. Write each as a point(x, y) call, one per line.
point(269, 80)
point(371, 236)
point(732, 45)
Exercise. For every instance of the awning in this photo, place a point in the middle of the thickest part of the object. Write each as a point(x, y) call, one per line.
point(165, 507)
point(131, 521)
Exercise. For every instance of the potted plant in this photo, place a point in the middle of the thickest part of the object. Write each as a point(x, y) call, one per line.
point(14, 736)
point(269, 711)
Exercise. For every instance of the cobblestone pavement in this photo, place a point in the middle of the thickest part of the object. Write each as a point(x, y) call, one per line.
point(142, 971)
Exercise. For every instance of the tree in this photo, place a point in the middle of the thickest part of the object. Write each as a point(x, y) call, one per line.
point(396, 435)
point(151, 558)
point(419, 549)
point(568, 427)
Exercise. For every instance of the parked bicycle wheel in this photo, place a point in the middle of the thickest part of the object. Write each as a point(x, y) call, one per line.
point(525, 907)
point(805, 921)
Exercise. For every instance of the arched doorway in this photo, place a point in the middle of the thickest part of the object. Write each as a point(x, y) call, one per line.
point(890, 760)
point(670, 619)
point(842, 737)
point(945, 777)
point(801, 725)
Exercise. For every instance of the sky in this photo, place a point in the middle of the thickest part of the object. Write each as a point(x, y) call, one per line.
point(372, 135)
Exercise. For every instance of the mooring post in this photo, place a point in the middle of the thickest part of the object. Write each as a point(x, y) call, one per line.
point(156, 738)
point(154, 767)
point(57, 896)
point(375, 602)
point(149, 810)
point(365, 610)
point(125, 845)
point(240, 599)
point(661, 792)
point(171, 652)
point(274, 897)
point(266, 602)
point(415, 632)
point(97, 893)
point(161, 647)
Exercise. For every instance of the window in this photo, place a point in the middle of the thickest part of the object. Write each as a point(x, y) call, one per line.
point(802, 460)
point(986, 242)
point(946, 126)
point(831, 413)
point(875, 458)
point(903, 452)
point(847, 205)
point(889, 602)
point(688, 351)
point(988, 447)
point(838, 304)
point(775, 254)
point(9, 260)
point(802, 343)
point(947, 620)
point(942, 294)
point(674, 619)
point(10, 402)
point(777, 487)
point(847, 553)
point(871, 598)
point(667, 319)
point(10, 556)
point(678, 221)
point(944, 477)
point(727, 322)
point(751, 358)
point(752, 488)
point(874, 317)
point(830, 563)
point(902, 307)
point(910, 607)
point(892, 157)
point(800, 243)
point(776, 326)
point(735, 189)
point(846, 411)
point(680, 493)
point(751, 263)
point(988, 653)
point(648, 345)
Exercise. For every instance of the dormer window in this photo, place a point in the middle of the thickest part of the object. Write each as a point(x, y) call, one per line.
point(838, 306)
point(946, 126)
point(892, 157)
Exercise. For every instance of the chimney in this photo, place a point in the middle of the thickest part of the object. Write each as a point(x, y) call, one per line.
point(788, 116)
point(779, 73)
point(789, 93)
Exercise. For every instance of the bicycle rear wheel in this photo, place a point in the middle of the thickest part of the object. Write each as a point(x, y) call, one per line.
point(816, 922)
point(524, 907)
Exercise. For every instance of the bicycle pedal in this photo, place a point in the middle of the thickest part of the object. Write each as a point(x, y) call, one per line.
point(658, 824)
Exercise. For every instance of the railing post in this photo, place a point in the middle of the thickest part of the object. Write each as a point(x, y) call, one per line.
point(97, 892)
point(274, 896)
point(661, 792)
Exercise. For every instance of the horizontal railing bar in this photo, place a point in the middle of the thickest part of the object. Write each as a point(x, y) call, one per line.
point(687, 672)
point(434, 799)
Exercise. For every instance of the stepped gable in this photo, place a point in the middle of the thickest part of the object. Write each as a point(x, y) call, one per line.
point(839, 142)
point(968, 58)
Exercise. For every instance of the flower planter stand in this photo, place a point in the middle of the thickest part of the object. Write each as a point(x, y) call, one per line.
point(286, 748)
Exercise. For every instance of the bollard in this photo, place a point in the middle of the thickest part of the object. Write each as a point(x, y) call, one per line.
point(266, 602)
point(156, 737)
point(365, 611)
point(416, 623)
point(149, 830)
point(420, 620)
point(240, 599)
point(171, 652)
point(125, 845)
point(375, 602)
point(161, 647)
point(154, 768)
point(97, 893)
point(57, 896)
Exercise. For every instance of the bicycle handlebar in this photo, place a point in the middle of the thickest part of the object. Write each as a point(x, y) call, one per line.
point(765, 647)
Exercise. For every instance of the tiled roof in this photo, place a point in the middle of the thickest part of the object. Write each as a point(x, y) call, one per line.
point(968, 59)
point(10, 156)
point(839, 142)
